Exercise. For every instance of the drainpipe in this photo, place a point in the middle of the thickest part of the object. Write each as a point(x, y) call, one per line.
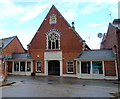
point(118, 52)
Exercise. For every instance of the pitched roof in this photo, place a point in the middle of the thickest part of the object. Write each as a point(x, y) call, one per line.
point(6, 41)
point(97, 54)
point(54, 8)
point(21, 56)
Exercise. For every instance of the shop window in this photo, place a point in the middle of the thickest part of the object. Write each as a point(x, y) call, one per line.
point(22, 66)
point(97, 67)
point(28, 66)
point(16, 66)
point(38, 66)
point(85, 67)
point(70, 67)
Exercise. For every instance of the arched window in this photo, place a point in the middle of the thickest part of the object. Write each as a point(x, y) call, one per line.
point(53, 40)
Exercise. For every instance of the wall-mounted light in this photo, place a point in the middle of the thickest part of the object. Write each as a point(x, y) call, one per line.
point(38, 56)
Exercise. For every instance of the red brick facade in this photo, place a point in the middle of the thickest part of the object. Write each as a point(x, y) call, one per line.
point(110, 69)
point(112, 40)
point(13, 47)
point(70, 43)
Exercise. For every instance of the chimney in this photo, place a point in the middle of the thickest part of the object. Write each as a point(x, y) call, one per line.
point(73, 25)
point(83, 42)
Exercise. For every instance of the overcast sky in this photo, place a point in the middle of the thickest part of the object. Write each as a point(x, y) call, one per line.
point(22, 18)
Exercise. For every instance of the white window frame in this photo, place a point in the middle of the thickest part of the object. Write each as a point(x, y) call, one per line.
point(40, 66)
point(72, 66)
point(50, 32)
point(53, 41)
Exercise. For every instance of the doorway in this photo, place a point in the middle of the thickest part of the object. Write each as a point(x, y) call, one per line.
point(54, 68)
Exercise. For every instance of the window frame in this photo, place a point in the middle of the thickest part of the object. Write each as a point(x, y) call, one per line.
point(72, 66)
point(16, 67)
point(40, 66)
point(50, 38)
point(98, 70)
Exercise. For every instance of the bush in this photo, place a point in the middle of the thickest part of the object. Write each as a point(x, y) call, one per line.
point(32, 74)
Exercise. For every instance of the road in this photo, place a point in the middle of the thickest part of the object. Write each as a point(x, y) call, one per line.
point(51, 86)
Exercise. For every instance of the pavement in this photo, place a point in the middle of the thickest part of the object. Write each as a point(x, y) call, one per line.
point(53, 86)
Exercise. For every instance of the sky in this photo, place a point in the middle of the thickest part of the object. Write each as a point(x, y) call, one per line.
point(22, 18)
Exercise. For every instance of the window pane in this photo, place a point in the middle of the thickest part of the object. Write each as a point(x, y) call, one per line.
point(49, 44)
point(85, 67)
point(97, 67)
point(53, 45)
point(22, 66)
point(38, 67)
point(28, 66)
point(16, 66)
point(70, 67)
point(56, 44)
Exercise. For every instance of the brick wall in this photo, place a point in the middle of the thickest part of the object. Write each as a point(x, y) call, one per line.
point(109, 67)
point(111, 40)
point(70, 43)
point(13, 47)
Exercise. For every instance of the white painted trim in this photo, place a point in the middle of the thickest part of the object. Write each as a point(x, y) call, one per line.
point(91, 69)
point(61, 68)
point(19, 66)
point(31, 66)
point(53, 55)
point(18, 73)
point(116, 69)
point(45, 67)
point(80, 68)
point(69, 75)
point(111, 77)
point(12, 66)
point(95, 59)
point(103, 68)
point(67, 66)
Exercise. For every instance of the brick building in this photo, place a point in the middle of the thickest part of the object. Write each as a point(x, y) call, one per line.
point(112, 40)
point(7, 47)
point(57, 49)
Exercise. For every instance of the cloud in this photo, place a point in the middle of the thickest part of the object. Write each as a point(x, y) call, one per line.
point(9, 9)
point(70, 14)
point(96, 1)
point(33, 12)
point(90, 8)
point(100, 24)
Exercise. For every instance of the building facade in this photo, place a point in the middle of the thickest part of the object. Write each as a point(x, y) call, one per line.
point(112, 40)
point(7, 47)
point(57, 49)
